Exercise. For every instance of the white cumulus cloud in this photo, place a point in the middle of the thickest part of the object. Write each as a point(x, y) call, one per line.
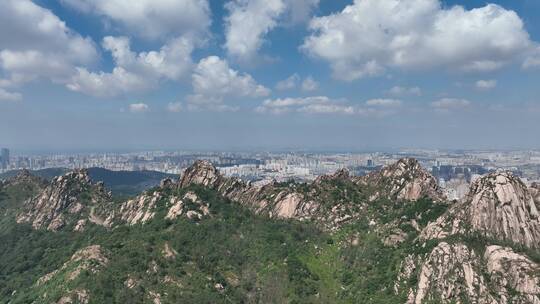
point(138, 107)
point(151, 18)
point(380, 102)
point(249, 21)
point(448, 104)
point(309, 84)
point(370, 36)
point(135, 72)
point(214, 82)
point(326, 105)
point(175, 107)
point(404, 91)
point(9, 96)
point(486, 84)
point(35, 43)
point(289, 83)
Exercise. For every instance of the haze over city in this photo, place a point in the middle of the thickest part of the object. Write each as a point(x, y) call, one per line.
point(78, 75)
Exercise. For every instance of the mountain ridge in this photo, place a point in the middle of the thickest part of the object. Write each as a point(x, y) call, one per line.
point(388, 237)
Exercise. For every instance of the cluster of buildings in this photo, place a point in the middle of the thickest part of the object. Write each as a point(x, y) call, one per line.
point(454, 169)
point(4, 158)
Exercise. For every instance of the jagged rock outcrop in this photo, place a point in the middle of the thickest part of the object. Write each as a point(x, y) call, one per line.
point(189, 205)
point(450, 274)
point(268, 199)
point(403, 180)
point(67, 200)
point(91, 259)
point(203, 173)
point(455, 273)
point(517, 277)
point(535, 192)
point(143, 208)
point(498, 206)
point(140, 209)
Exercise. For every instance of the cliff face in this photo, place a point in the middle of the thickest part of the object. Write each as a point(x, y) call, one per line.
point(469, 264)
point(498, 206)
point(457, 273)
point(403, 180)
point(67, 201)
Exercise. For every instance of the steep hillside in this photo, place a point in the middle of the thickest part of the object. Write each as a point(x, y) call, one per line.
point(389, 237)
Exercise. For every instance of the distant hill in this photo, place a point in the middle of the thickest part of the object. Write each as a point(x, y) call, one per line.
point(121, 183)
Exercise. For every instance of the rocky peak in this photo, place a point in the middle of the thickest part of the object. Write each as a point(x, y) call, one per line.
point(66, 199)
point(403, 180)
point(341, 174)
point(535, 192)
point(501, 206)
point(202, 172)
point(498, 206)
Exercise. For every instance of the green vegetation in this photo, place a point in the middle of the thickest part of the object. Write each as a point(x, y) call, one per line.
point(232, 256)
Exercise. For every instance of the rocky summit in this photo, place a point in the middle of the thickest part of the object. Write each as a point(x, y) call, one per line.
point(498, 206)
point(403, 180)
point(68, 201)
point(387, 237)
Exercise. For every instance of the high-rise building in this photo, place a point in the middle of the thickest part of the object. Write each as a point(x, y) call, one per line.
point(4, 154)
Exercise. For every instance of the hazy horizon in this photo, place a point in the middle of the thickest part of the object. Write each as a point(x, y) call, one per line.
point(82, 75)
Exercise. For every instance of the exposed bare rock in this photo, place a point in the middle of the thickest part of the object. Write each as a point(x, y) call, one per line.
point(79, 296)
point(131, 282)
point(176, 209)
point(281, 203)
point(450, 274)
point(140, 209)
point(64, 202)
point(454, 273)
point(517, 278)
point(91, 258)
point(535, 192)
point(202, 172)
point(342, 174)
point(403, 180)
point(169, 252)
point(154, 297)
point(498, 206)
point(165, 183)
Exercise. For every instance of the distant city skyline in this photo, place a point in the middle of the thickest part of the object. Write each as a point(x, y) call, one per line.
point(334, 75)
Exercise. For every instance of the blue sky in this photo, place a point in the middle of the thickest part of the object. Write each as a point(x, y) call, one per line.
point(275, 74)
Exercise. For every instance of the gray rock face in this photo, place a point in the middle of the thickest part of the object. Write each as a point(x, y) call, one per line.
point(513, 273)
point(455, 273)
point(280, 203)
point(202, 172)
point(403, 180)
point(448, 274)
point(498, 206)
point(65, 201)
